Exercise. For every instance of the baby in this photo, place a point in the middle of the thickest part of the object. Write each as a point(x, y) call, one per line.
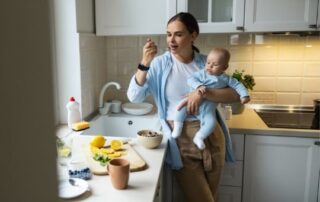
point(212, 76)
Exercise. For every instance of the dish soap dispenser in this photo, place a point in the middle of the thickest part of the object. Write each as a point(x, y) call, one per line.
point(73, 112)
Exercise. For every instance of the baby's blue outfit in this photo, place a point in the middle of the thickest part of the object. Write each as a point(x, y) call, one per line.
point(207, 109)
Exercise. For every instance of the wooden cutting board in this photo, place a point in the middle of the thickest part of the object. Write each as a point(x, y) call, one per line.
point(136, 161)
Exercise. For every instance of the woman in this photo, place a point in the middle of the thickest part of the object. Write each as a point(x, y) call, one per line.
point(165, 78)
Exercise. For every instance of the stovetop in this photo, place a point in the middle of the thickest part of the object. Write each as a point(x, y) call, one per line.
point(287, 116)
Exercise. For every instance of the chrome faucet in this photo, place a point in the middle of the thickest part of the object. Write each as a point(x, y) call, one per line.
point(104, 108)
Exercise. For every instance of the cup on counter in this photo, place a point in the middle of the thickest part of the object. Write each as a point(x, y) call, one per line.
point(119, 170)
point(78, 169)
point(116, 106)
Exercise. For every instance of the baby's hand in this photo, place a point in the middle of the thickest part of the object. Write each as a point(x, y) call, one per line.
point(201, 90)
point(245, 99)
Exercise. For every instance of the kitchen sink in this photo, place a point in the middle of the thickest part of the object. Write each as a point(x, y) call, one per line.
point(287, 116)
point(122, 125)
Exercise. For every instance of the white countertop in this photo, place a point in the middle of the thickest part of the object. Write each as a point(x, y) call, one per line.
point(142, 184)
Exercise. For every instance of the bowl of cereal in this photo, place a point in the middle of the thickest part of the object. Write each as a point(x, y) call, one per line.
point(149, 139)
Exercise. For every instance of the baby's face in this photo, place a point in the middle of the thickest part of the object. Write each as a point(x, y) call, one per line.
point(215, 64)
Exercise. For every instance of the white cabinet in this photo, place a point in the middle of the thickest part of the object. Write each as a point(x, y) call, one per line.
point(128, 17)
point(231, 182)
point(280, 169)
point(229, 194)
point(215, 16)
point(318, 25)
point(281, 15)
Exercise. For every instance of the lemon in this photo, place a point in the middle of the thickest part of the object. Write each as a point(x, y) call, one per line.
point(116, 144)
point(107, 150)
point(98, 141)
point(114, 155)
point(64, 151)
point(94, 149)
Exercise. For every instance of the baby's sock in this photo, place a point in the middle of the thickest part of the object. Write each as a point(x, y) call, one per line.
point(198, 140)
point(177, 129)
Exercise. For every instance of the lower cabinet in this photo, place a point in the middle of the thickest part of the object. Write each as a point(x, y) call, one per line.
point(281, 169)
point(229, 194)
point(231, 183)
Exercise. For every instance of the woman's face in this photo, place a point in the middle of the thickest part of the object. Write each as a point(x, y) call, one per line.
point(179, 39)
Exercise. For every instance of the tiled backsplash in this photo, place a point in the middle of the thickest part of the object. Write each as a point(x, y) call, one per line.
point(286, 67)
point(93, 71)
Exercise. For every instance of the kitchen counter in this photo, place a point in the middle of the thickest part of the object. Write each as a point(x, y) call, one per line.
point(142, 184)
point(248, 122)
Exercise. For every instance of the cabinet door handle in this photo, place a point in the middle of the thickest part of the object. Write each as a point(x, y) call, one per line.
point(313, 26)
point(240, 28)
point(317, 143)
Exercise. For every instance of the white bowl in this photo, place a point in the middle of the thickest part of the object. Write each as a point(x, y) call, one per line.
point(149, 139)
point(137, 108)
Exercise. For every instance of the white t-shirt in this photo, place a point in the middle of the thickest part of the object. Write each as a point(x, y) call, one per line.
point(177, 87)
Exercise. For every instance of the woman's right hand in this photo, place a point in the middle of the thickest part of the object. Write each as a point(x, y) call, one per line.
point(149, 52)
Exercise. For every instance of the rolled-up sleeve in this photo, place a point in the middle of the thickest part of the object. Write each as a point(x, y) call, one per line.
point(137, 93)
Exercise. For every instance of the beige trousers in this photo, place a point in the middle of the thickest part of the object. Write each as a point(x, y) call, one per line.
point(200, 177)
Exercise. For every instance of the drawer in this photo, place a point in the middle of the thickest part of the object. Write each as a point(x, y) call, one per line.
point(238, 145)
point(229, 194)
point(232, 174)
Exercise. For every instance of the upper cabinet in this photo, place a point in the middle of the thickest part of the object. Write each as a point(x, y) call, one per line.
point(281, 15)
point(215, 16)
point(145, 17)
point(128, 17)
point(318, 26)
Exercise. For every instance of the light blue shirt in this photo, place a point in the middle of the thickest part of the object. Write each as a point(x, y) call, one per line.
point(156, 80)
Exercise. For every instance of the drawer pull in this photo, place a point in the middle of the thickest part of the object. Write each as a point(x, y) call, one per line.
point(313, 26)
point(240, 28)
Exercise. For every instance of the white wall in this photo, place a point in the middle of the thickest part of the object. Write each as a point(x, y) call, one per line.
point(27, 146)
point(67, 55)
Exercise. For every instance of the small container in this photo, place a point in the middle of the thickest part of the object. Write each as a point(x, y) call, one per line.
point(78, 169)
point(228, 112)
point(73, 108)
point(116, 106)
point(149, 139)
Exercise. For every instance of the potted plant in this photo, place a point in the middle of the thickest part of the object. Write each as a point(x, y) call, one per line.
point(248, 81)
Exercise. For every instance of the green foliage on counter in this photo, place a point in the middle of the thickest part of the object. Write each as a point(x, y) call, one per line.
point(246, 79)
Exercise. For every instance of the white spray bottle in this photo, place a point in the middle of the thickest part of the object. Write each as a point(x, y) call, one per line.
point(73, 112)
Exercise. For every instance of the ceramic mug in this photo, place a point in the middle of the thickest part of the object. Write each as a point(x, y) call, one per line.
point(119, 170)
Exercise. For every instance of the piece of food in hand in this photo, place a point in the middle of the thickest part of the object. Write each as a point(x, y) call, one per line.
point(116, 144)
point(98, 141)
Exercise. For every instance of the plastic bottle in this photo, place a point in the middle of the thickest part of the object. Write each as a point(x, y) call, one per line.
point(228, 112)
point(73, 112)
